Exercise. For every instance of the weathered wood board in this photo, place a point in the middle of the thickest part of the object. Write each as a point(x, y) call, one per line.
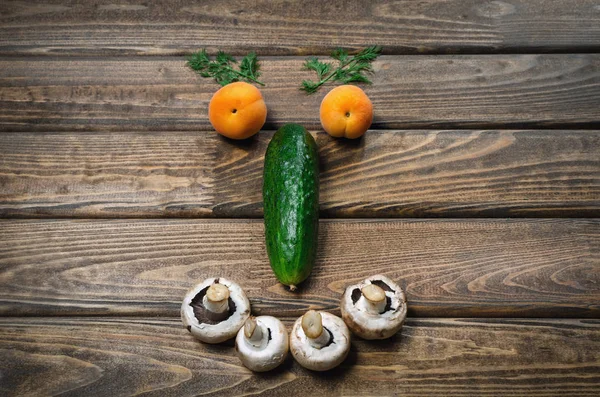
point(162, 94)
point(108, 28)
point(485, 173)
point(456, 267)
point(431, 357)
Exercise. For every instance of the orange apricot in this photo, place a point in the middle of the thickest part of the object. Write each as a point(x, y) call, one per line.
point(346, 111)
point(237, 110)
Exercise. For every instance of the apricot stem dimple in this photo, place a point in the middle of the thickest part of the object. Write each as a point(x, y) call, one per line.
point(347, 114)
point(234, 111)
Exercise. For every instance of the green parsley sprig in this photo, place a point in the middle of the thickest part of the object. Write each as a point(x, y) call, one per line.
point(350, 69)
point(222, 68)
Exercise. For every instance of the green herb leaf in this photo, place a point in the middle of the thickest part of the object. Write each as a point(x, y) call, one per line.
point(321, 68)
point(198, 61)
point(250, 66)
point(351, 69)
point(369, 54)
point(224, 59)
point(309, 86)
point(222, 69)
point(339, 54)
point(356, 78)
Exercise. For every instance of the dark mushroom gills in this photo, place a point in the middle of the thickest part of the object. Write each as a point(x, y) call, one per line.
point(214, 310)
point(374, 308)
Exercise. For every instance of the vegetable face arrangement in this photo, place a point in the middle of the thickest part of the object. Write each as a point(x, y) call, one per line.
point(217, 309)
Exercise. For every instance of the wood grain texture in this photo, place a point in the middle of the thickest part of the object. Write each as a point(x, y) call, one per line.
point(431, 357)
point(386, 174)
point(162, 94)
point(460, 268)
point(108, 174)
point(107, 27)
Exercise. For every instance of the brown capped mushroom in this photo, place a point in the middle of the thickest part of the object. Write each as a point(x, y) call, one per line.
point(262, 344)
point(214, 310)
point(319, 341)
point(374, 308)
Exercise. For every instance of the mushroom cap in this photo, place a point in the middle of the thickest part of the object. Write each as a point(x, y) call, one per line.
point(327, 357)
point(210, 332)
point(272, 355)
point(369, 325)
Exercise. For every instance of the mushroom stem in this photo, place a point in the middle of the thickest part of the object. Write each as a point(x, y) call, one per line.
point(375, 299)
point(262, 344)
point(216, 301)
point(312, 325)
point(254, 332)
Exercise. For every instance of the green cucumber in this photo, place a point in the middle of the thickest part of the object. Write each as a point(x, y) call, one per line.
point(291, 203)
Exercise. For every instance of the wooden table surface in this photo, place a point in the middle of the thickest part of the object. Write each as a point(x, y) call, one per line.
point(477, 189)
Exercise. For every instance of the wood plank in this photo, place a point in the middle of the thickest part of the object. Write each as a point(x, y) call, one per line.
point(386, 174)
point(461, 268)
point(162, 94)
point(108, 174)
point(127, 356)
point(106, 27)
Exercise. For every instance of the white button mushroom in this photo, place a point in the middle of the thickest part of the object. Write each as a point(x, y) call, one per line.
point(319, 341)
point(374, 308)
point(262, 344)
point(214, 310)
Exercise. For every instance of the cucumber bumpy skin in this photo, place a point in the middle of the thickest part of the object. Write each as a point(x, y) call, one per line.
point(291, 203)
